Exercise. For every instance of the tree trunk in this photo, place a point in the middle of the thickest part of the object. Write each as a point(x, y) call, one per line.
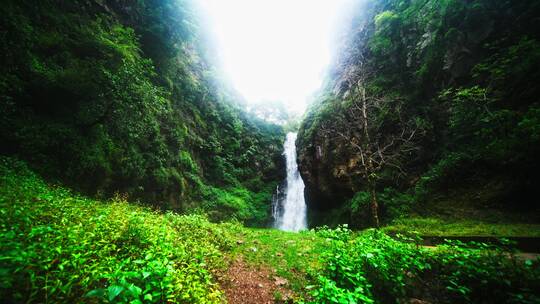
point(374, 206)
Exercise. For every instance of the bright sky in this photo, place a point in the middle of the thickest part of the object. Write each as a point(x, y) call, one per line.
point(274, 49)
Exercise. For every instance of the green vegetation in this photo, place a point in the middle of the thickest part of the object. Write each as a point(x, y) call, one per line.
point(432, 226)
point(432, 123)
point(239, 204)
point(293, 256)
point(59, 247)
point(109, 97)
point(464, 75)
point(374, 268)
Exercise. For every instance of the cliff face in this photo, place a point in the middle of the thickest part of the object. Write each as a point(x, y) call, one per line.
point(461, 75)
point(325, 162)
point(121, 96)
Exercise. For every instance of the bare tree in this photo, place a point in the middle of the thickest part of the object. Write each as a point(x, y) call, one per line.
point(374, 127)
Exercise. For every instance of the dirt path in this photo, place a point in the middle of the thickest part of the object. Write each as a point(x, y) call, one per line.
point(244, 284)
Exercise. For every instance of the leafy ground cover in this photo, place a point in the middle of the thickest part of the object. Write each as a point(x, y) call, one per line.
point(375, 268)
point(59, 247)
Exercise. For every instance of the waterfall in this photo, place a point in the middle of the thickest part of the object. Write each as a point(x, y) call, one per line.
point(290, 215)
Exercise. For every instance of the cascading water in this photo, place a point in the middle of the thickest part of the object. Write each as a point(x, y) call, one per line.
point(290, 215)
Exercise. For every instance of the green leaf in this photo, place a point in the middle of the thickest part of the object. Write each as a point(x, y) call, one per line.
point(135, 290)
point(96, 293)
point(113, 291)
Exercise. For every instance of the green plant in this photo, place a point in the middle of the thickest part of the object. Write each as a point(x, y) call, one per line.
point(108, 103)
point(374, 268)
point(60, 247)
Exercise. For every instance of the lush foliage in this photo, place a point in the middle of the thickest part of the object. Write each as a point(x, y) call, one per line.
point(57, 246)
point(109, 96)
point(374, 268)
point(60, 247)
point(466, 73)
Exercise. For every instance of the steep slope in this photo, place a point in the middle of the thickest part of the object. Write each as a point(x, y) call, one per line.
point(120, 96)
point(427, 101)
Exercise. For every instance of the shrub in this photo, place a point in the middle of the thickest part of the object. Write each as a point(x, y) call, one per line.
point(60, 247)
point(374, 268)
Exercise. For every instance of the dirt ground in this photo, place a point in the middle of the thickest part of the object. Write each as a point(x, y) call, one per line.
point(244, 284)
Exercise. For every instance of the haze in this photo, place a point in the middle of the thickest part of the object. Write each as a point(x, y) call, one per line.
point(274, 50)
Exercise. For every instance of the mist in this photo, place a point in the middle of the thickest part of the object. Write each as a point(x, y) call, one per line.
point(275, 50)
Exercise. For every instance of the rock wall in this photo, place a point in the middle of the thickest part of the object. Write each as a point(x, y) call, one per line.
point(426, 57)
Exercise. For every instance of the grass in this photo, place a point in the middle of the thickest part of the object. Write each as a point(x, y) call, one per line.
point(473, 210)
point(59, 247)
point(293, 256)
point(433, 226)
point(66, 247)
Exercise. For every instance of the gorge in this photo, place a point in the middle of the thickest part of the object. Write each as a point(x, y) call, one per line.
point(138, 165)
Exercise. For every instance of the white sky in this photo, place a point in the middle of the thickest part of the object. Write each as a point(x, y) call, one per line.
point(274, 49)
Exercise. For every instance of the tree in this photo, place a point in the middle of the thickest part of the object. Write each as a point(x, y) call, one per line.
point(270, 111)
point(376, 129)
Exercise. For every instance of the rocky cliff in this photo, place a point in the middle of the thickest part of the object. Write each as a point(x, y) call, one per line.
point(458, 76)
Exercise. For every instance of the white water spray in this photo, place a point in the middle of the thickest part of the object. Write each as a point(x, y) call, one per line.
point(292, 215)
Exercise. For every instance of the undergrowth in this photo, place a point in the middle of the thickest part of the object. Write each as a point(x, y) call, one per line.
point(59, 247)
point(375, 268)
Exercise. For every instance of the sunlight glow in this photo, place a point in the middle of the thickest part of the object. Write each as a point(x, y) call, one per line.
point(274, 50)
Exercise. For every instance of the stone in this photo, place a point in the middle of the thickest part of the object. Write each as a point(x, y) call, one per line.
point(278, 281)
